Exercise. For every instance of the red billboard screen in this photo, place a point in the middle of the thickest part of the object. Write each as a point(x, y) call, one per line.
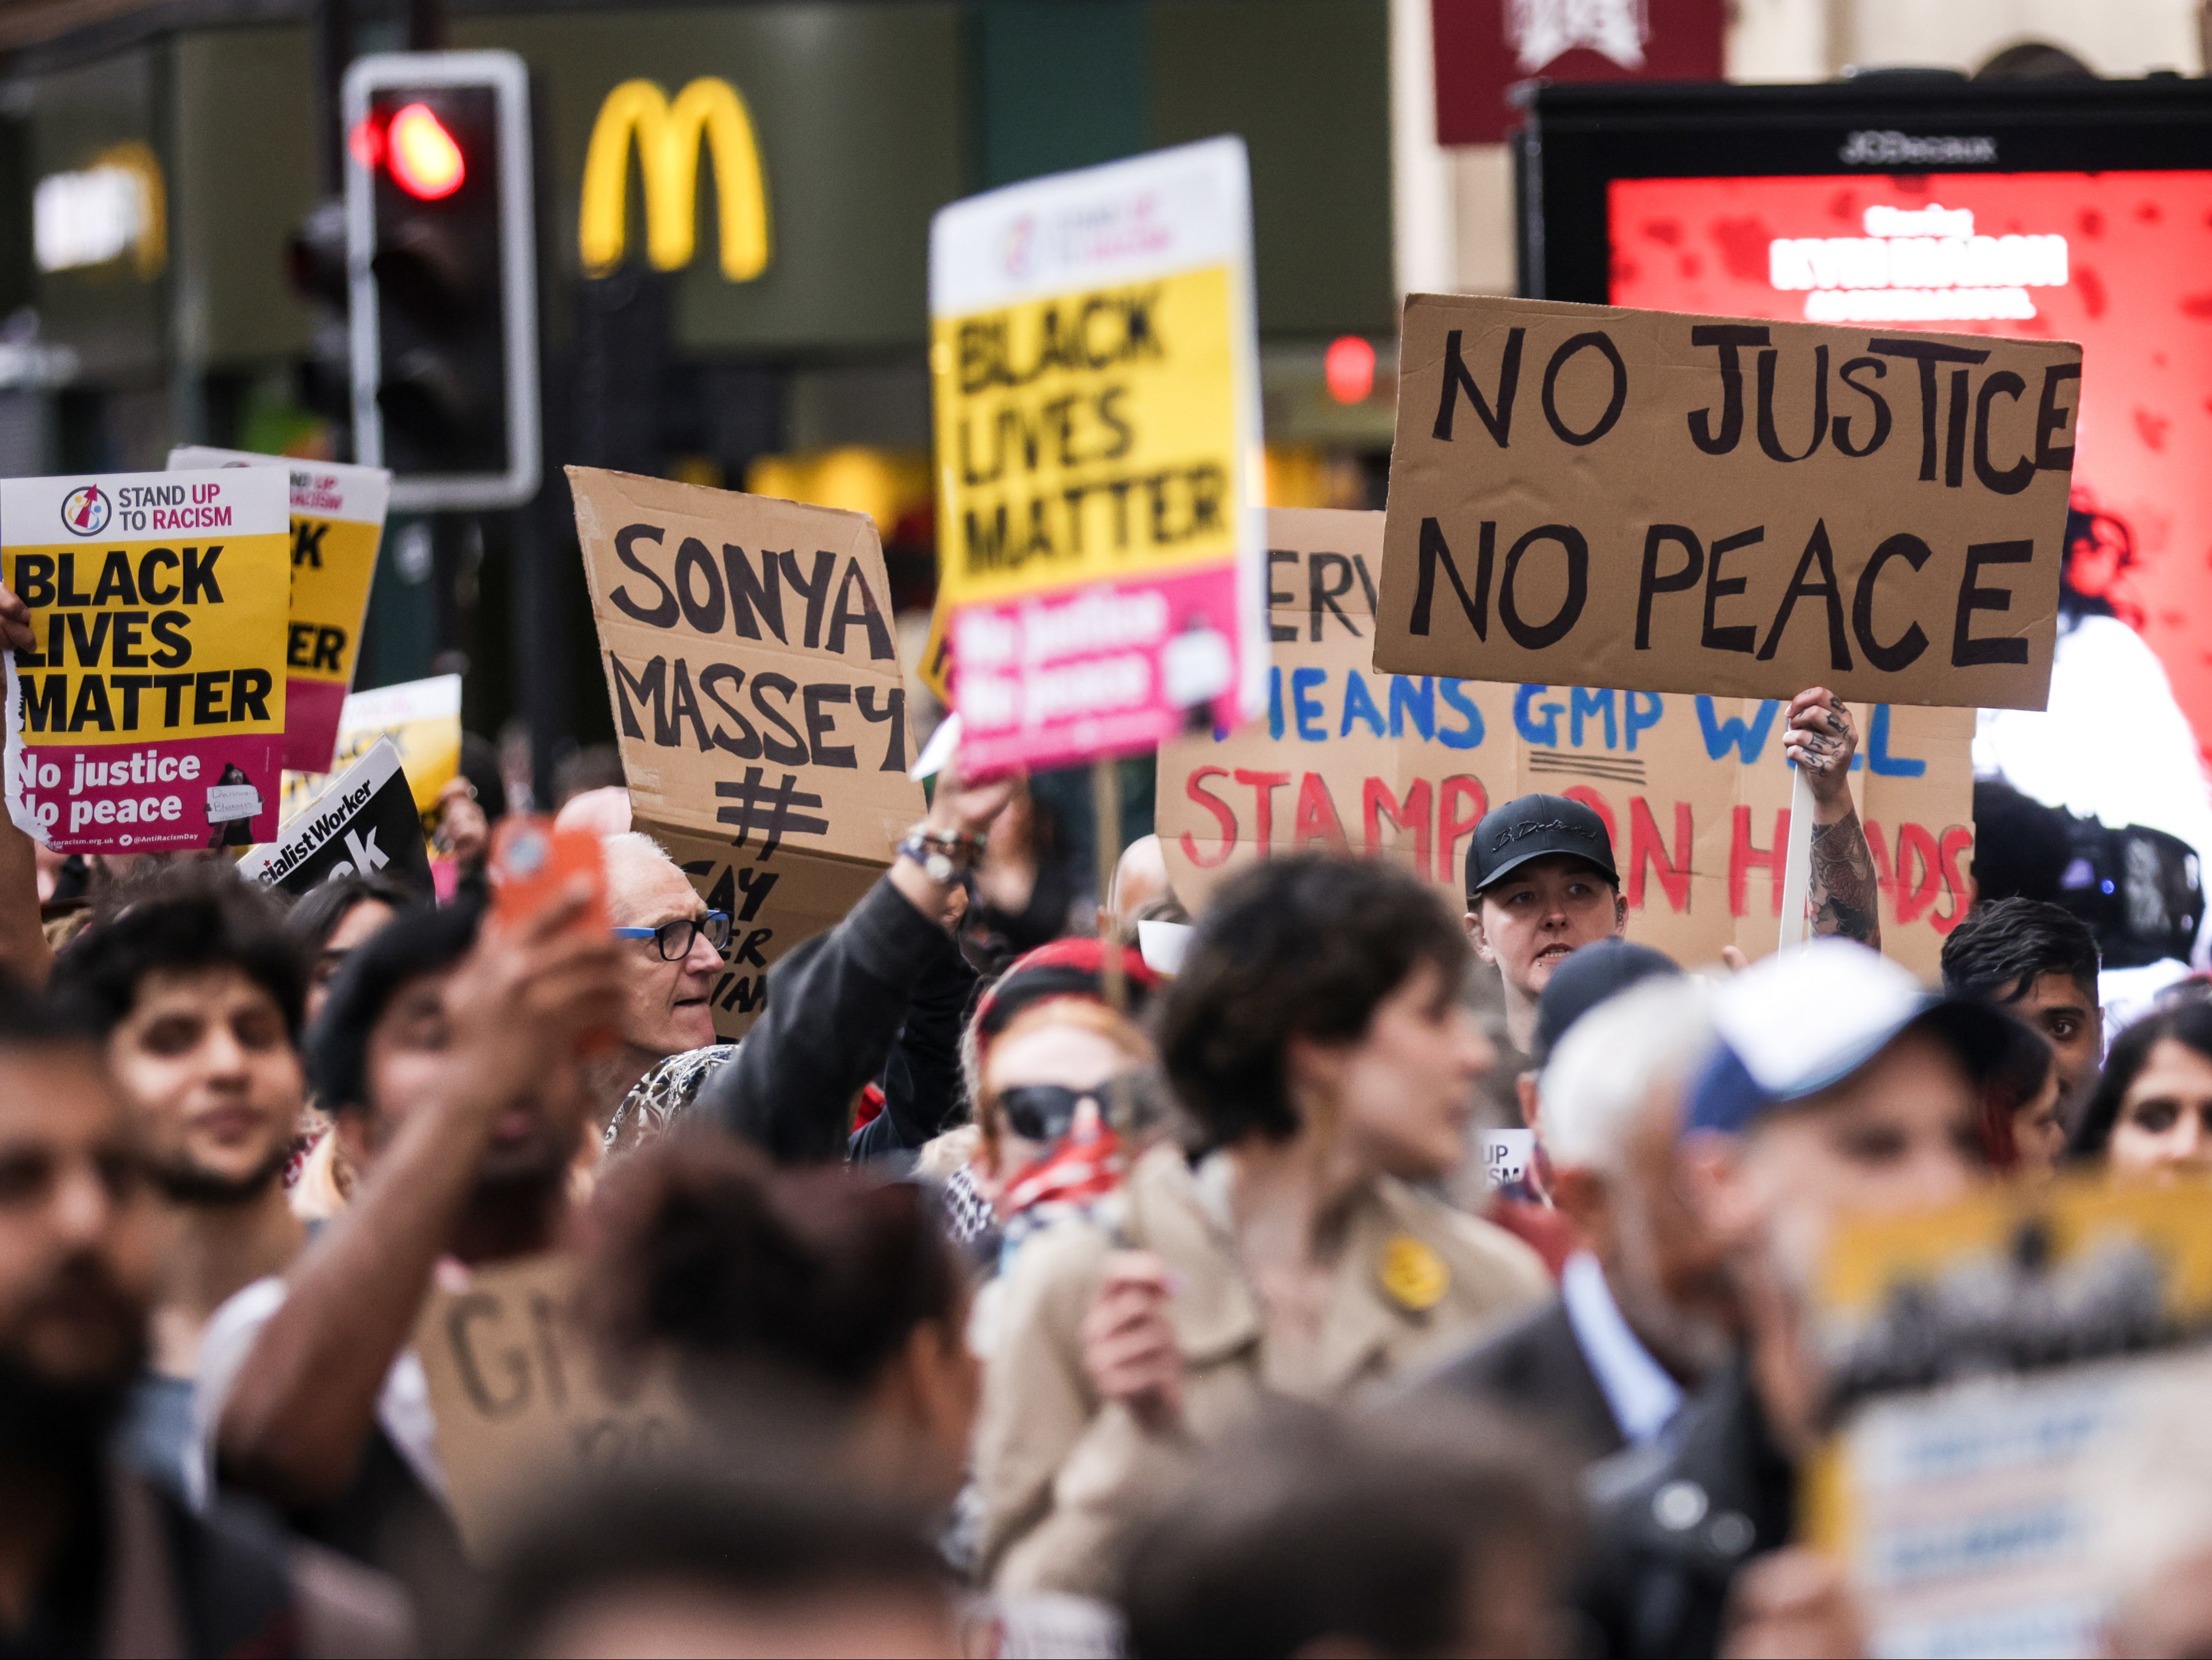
point(2120, 262)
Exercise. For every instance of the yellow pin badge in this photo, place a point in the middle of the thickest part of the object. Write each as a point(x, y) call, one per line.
point(1414, 1276)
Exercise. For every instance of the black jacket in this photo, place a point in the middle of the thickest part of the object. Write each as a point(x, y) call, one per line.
point(1535, 1367)
point(835, 1008)
point(1673, 1523)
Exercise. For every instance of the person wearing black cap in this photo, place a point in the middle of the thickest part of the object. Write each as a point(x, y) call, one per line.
point(1541, 882)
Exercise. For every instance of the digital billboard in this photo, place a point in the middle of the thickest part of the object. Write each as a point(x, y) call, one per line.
point(2120, 262)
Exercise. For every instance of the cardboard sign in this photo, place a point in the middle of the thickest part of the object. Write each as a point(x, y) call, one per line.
point(2019, 1383)
point(518, 1397)
point(1097, 388)
point(1695, 790)
point(1587, 495)
point(337, 522)
point(150, 716)
point(366, 821)
point(421, 718)
point(757, 702)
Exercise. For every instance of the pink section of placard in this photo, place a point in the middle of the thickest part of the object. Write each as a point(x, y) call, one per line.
point(312, 709)
point(152, 806)
point(1104, 669)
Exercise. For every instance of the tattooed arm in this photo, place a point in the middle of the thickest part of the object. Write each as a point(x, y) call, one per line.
point(1841, 894)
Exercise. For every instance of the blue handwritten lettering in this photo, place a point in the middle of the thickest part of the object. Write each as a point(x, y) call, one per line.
point(1308, 711)
point(1467, 736)
point(1880, 761)
point(1546, 732)
point(1421, 705)
point(1638, 722)
point(1747, 740)
point(1358, 705)
point(1588, 702)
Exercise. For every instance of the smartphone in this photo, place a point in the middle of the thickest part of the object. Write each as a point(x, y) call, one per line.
point(532, 865)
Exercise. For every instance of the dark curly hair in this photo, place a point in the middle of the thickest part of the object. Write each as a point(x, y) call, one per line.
point(1303, 947)
point(2003, 946)
point(182, 918)
point(813, 1278)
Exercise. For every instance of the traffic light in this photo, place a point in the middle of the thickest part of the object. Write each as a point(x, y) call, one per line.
point(441, 256)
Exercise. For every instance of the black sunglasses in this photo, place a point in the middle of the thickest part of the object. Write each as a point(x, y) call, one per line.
point(673, 940)
point(1044, 1112)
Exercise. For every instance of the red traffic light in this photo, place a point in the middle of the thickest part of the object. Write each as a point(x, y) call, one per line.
point(421, 156)
point(1349, 369)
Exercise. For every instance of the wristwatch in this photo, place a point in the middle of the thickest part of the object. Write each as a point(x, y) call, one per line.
point(945, 856)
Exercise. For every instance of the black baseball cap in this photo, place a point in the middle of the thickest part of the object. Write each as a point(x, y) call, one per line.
point(1530, 827)
point(1600, 970)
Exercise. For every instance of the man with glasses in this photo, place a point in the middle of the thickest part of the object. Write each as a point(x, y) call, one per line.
point(672, 956)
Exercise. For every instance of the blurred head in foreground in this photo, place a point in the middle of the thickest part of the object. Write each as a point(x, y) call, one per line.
point(1423, 1530)
point(76, 1246)
point(1838, 1085)
point(825, 1296)
point(678, 1564)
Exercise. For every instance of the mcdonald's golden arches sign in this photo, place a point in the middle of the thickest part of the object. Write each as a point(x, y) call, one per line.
point(707, 114)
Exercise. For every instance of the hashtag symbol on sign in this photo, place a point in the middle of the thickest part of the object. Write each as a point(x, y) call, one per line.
point(768, 812)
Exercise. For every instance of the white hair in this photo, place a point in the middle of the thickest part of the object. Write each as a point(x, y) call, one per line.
point(1604, 1071)
point(636, 842)
point(628, 852)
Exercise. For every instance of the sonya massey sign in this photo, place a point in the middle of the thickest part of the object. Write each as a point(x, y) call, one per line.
point(757, 704)
point(1638, 499)
point(1694, 789)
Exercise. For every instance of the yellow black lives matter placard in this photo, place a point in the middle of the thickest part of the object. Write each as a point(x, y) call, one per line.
point(149, 716)
point(337, 525)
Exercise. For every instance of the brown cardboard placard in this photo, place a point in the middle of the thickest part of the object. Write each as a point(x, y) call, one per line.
point(1595, 496)
point(1694, 788)
point(518, 1397)
point(755, 681)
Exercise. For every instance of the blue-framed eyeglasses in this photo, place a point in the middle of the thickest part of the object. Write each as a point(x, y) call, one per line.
point(673, 940)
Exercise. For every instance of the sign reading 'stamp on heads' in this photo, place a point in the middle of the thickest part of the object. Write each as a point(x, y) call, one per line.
point(1591, 495)
point(1097, 387)
point(1694, 790)
point(150, 715)
point(757, 704)
point(337, 524)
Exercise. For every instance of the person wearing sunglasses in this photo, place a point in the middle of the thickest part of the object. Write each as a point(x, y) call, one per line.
point(1068, 1099)
point(671, 946)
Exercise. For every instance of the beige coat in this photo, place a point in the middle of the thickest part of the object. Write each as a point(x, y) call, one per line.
point(1059, 1473)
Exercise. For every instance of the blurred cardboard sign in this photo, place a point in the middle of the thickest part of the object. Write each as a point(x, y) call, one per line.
point(2017, 1384)
point(422, 720)
point(1694, 790)
point(1485, 48)
point(1593, 495)
point(757, 702)
point(365, 822)
point(1098, 415)
point(337, 523)
point(150, 717)
point(518, 1397)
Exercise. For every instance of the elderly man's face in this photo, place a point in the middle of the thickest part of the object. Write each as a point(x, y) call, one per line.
point(666, 1010)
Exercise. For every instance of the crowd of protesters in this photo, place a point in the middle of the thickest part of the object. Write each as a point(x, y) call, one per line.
point(1023, 1297)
